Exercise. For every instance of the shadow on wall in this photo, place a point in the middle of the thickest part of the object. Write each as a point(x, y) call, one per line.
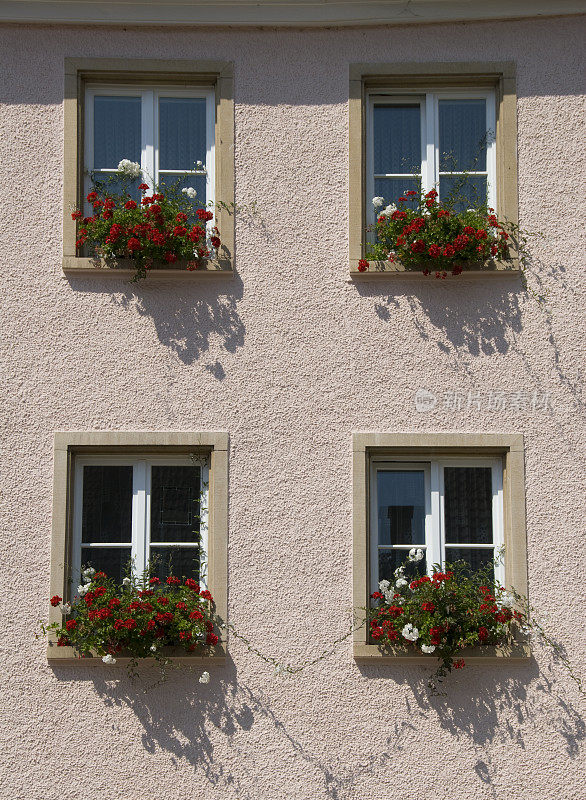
point(183, 719)
point(187, 315)
point(459, 315)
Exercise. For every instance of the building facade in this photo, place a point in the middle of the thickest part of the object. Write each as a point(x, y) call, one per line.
point(306, 387)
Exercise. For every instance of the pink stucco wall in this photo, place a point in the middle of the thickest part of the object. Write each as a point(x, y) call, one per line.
point(290, 358)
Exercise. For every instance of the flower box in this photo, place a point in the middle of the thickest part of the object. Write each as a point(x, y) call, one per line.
point(124, 268)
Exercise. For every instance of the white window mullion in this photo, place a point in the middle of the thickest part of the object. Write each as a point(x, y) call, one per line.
point(77, 519)
point(149, 143)
point(435, 547)
point(210, 155)
point(429, 173)
point(139, 517)
point(491, 149)
point(369, 155)
point(497, 518)
point(203, 525)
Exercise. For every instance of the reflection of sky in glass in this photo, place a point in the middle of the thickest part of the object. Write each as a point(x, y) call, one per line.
point(461, 192)
point(401, 506)
point(462, 135)
point(197, 182)
point(110, 183)
point(182, 129)
point(393, 188)
point(116, 130)
point(397, 139)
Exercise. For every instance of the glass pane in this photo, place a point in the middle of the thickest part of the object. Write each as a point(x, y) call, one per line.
point(397, 139)
point(110, 183)
point(182, 562)
point(462, 135)
point(393, 188)
point(390, 560)
point(197, 182)
point(182, 132)
point(113, 561)
point(477, 559)
point(175, 494)
point(461, 192)
point(107, 504)
point(116, 131)
point(468, 504)
point(401, 506)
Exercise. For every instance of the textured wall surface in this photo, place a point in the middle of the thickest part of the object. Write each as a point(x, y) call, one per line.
point(290, 358)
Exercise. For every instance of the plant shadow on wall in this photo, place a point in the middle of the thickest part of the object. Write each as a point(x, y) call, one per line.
point(461, 316)
point(210, 727)
point(496, 707)
point(190, 318)
point(184, 719)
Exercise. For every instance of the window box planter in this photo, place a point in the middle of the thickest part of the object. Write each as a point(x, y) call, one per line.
point(472, 269)
point(201, 655)
point(124, 268)
point(515, 652)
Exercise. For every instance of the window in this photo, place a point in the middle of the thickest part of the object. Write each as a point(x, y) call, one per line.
point(442, 140)
point(169, 131)
point(455, 496)
point(448, 126)
point(450, 508)
point(165, 115)
point(140, 510)
point(140, 497)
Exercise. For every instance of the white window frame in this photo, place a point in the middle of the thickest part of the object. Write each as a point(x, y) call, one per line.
point(141, 508)
point(429, 104)
point(435, 544)
point(149, 161)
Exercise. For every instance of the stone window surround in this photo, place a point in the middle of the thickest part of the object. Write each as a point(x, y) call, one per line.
point(366, 77)
point(217, 74)
point(68, 444)
point(508, 446)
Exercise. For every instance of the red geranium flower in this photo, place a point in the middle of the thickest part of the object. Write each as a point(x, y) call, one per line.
point(55, 600)
point(362, 265)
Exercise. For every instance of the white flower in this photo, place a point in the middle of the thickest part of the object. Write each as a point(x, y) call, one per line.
point(410, 633)
point(205, 677)
point(415, 554)
point(401, 583)
point(190, 192)
point(389, 597)
point(65, 608)
point(199, 165)
point(130, 168)
point(108, 659)
point(384, 585)
point(88, 573)
point(506, 600)
point(153, 648)
point(378, 201)
point(126, 581)
point(81, 590)
point(399, 572)
point(427, 648)
point(390, 209)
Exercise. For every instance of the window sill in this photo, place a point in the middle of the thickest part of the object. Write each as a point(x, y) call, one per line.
point(202, 655)
point(74, 265)
point(394, 269)
point(516, 652)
